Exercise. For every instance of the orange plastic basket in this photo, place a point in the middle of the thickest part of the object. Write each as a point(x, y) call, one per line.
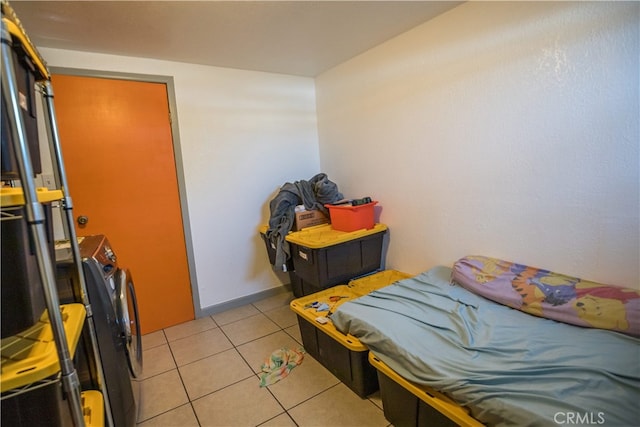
point(352, 218)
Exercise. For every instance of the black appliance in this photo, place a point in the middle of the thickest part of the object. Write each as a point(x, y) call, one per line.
point(112, 297)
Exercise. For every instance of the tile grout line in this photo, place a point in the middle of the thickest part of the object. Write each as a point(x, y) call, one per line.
point(257, 375)
point(286, 411)
point(267, 388)
point(280, 328)
point(181, 382)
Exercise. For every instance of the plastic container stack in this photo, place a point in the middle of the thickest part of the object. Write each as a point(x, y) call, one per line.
point(342, 354)
point(323, 256)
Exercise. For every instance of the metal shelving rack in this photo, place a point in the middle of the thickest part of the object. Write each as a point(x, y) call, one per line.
point(12, 32)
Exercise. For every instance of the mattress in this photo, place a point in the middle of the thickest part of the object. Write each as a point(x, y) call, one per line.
point(507, 367)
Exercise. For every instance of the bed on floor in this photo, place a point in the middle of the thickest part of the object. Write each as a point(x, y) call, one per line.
point(483, 335)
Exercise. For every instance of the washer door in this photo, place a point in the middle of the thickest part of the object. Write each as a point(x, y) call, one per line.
point(128, 320)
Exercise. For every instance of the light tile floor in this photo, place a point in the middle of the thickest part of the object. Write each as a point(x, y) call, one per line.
point(206, 373)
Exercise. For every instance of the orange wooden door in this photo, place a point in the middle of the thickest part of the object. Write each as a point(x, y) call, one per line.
point(118, 151)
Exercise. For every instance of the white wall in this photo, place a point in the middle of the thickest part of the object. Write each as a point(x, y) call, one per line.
point(243, 134)
point(506, 129)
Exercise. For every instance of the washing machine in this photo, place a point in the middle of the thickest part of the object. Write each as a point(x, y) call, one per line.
point(112, 297)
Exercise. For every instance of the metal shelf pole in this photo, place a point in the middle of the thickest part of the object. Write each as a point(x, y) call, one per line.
point(60, 178)
point(35, 219)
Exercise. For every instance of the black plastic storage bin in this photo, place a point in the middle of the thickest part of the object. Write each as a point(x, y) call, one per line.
point(44, 406)
point(402, 408)
point(296, 283)
point(300, 287)
point(32, 393)
point(348, 365)
point(344, 355)
point(410, 405)
point(324, 257)
point(271, 249)
point(22, 294)
point(26, 74)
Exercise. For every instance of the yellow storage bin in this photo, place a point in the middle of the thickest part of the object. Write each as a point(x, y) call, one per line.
point(338, 295)
point(18, 35)
point(322, 236)
point(22, 297)
point(13, 196)
point(28, 68)
point(324, 257)
point(93, 408)
point(406, 403)
point(344, 355)
point(31, 355)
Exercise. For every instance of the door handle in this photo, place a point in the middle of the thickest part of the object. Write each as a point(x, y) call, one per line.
point(83, 220)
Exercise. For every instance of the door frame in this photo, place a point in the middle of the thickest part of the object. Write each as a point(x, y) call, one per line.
point(177, 153)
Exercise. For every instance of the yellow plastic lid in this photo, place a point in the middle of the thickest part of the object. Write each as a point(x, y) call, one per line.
point(92, 408)
point(324, 235)
point(372, 282)
point(31, 355)
point(13, 196)
point(338, 295)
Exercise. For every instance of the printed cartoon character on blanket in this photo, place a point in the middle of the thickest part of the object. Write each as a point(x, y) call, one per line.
point(537, 286)
point(552, 295)
point(603, 306)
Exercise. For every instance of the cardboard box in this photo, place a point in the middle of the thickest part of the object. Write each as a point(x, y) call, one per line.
point(306, 219)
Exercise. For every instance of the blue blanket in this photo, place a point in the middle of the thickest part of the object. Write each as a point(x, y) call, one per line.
point(506, 366)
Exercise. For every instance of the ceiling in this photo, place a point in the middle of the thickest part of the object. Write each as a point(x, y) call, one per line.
point(301, 38)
